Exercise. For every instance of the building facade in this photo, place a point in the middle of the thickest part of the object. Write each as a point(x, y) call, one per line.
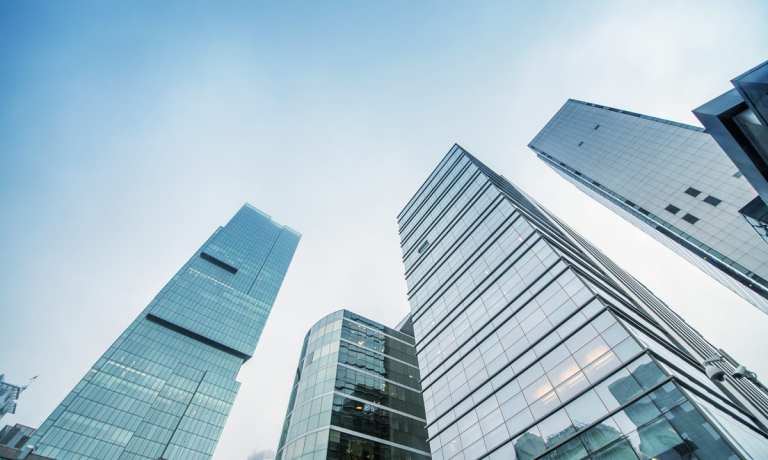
point(164, 388)
point(9, 394)
point(671, 180)
point(15, 436)
point(356, 395)
point(738, 121)
point(533, 344)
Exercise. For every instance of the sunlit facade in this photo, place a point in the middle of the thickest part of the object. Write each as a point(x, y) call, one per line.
point(356, 395)
point(164, 388)
point(532, 344)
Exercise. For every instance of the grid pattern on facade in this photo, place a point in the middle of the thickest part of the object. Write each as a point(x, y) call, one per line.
point(356, 394)
point(164, 388)
point(530, 347)
point(643, 164)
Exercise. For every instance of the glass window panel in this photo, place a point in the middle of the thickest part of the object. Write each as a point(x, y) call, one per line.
point(563, 371)
point(545, 405)
point(555, 428)
point(529, 445)
point(709, 445)
point(639, 413)
point(572, 450)
point(591, 351)
point(602, 367)
point(659, 439)
point(601, 435)
point(627, 349)
point(667, 397)
point(586, 409)
point(646, 372)
point(572, 386)
point(620, 450)
point(618, 389)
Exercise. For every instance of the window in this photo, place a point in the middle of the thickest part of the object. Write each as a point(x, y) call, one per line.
point(423, 247)
point(692, 191)
point(218, 263)
point(581, 143)
point(672, 208)
point(597, 126)
point(691, 219)
point(712, 200)
point(737, 174)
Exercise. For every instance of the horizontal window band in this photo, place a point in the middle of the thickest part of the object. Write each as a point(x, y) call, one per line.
point(438, 171)
point(357, 323)
point(715, 403)
point(480, 288)
point(710, 394)
point(431, 223)
point(496, 328)
point(482, 247)
point(197, 337)
point(464, 209)
point(378, 440)
point(409, 229)
point(377, 405)
point(373, 374)
point(379, 353)
point(740, 274)
point(526, 350)
point(219, 263)
point(495, 202)
point(582, 430)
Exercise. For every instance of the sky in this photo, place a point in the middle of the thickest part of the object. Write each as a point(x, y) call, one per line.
point(130, 130)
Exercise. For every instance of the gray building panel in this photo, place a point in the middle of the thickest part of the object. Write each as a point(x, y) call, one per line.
point(673, 179)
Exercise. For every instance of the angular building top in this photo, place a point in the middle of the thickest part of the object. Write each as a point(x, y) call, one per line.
point(671, 180)
point(164, 388)
point(532, 344)
point(738, 120)
point(9, 394)
point(356, 394)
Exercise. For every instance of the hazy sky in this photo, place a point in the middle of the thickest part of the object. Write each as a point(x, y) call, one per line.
point(130, 130)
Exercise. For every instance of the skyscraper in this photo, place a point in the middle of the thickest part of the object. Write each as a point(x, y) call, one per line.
point(356, 394)
point(671, 180)
point(532, 344)
point(9, 394)
point(164, 388)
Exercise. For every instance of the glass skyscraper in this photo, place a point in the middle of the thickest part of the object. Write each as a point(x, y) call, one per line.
point(356, 395)
point(671, 180)
point(9, 394)
point(164, 388)
point(532, 344)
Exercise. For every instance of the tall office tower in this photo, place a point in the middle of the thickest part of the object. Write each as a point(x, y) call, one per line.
point(533, 344)
point(9, 394)
point(164, 388)
point(671, 180)
point(356, 394)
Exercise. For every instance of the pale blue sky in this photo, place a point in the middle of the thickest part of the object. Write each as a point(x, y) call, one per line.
point(130, 130)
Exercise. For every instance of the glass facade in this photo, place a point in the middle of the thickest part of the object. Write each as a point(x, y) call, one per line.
point(532, 344)
point(9, 394)
point(164, 388)
point(671, 180)
point(356, 394)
